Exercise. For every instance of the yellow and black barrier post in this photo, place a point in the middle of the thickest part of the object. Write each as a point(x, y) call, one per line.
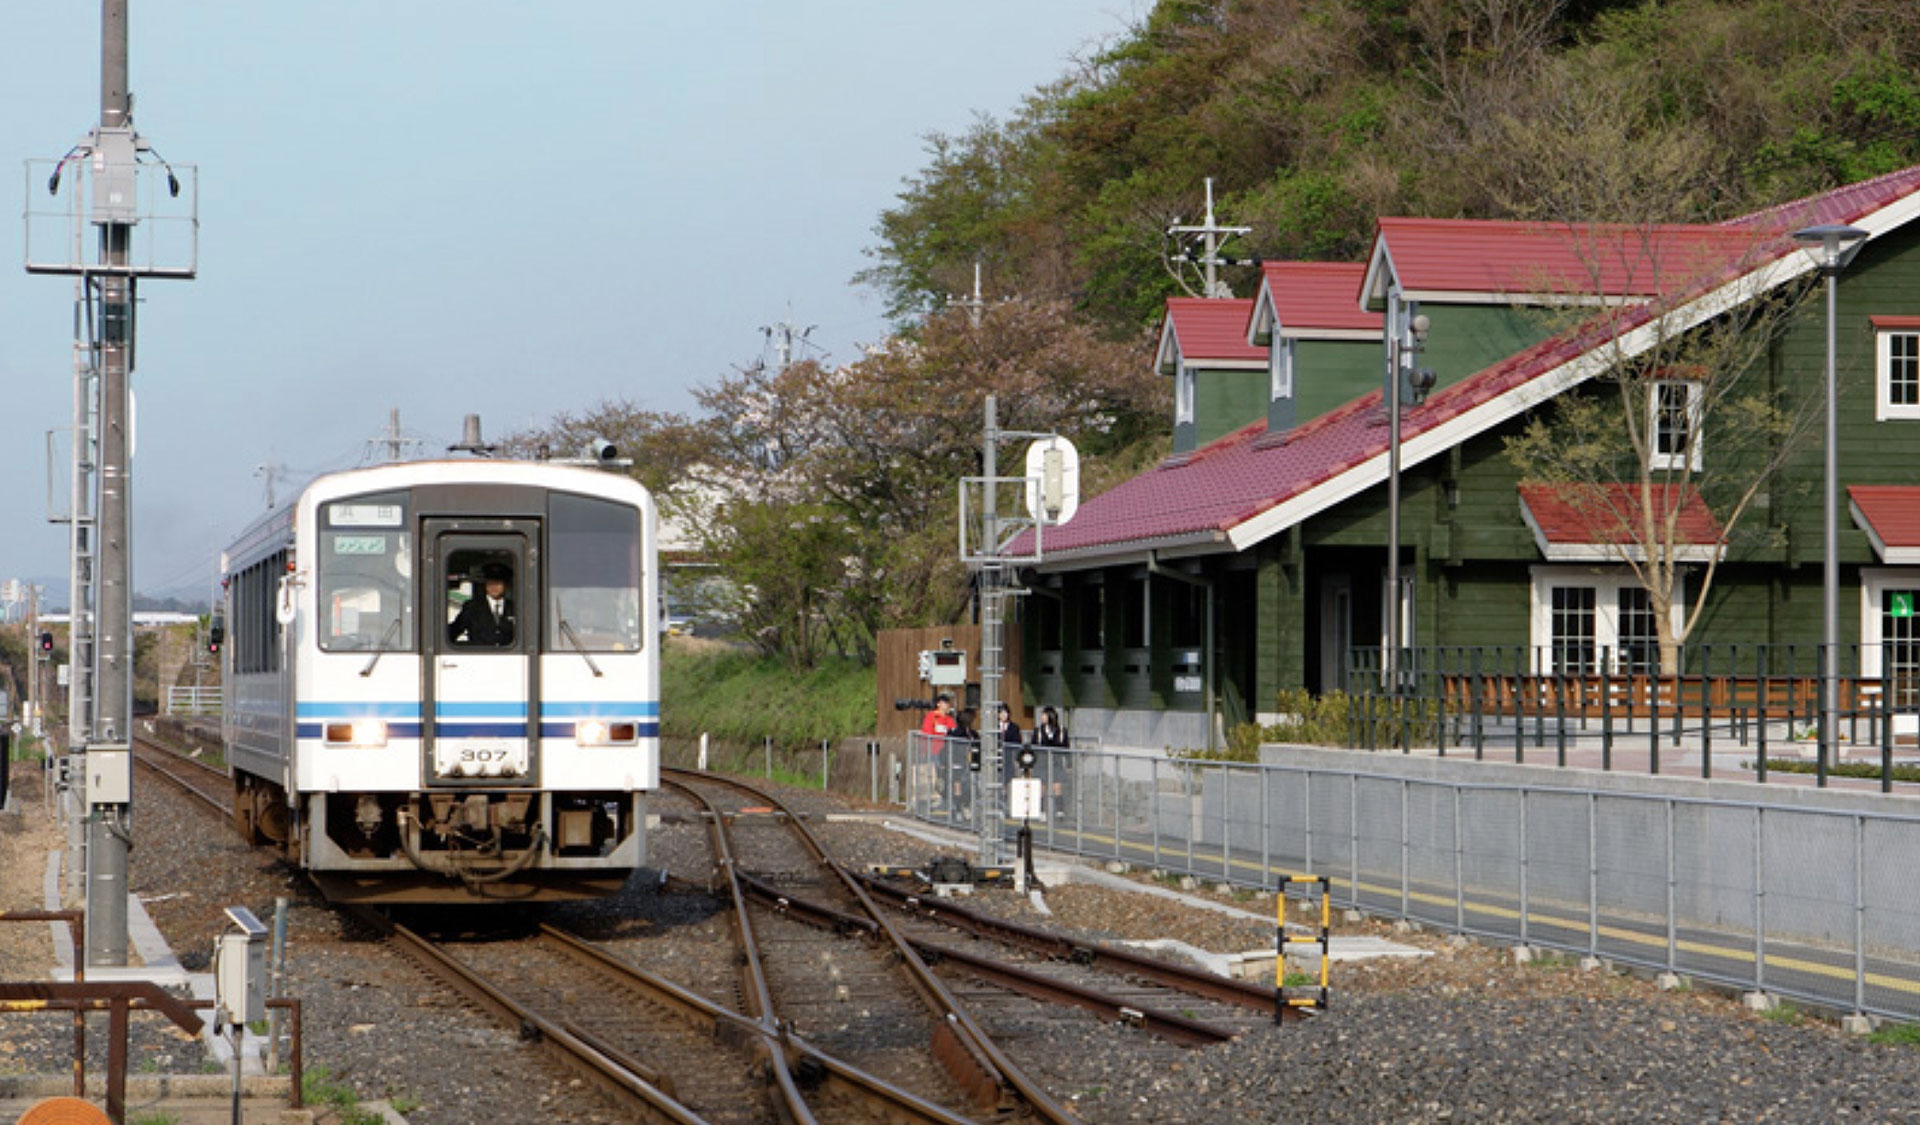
point(1300, 996)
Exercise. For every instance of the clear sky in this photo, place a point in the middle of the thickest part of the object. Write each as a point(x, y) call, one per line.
point(472, 206)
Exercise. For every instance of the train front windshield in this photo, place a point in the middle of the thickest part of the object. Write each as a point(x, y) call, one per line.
point(367, 588)
point(593, 575)
point(366, 575)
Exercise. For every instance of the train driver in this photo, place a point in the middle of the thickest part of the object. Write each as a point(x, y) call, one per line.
point(486, 621)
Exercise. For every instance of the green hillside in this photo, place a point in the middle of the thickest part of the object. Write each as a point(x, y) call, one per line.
point(1316, 116)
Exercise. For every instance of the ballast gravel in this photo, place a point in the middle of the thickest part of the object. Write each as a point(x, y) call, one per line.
point(1462, 1034)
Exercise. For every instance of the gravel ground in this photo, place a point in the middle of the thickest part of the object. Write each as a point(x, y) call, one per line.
point(1462, 1035)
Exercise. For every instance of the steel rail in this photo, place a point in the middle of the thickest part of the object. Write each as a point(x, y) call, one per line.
point(953, 1018)
point(1167, 1025)
point(148, 753)
point(754, 986)
point(580, 1051)
point(726, 1024)
point(1196, 982)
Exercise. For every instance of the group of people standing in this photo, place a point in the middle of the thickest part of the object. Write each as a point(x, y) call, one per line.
point(953, 728)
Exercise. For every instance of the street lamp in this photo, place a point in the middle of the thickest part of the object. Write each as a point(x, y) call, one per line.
point(1830, 247)
point(1403, 345)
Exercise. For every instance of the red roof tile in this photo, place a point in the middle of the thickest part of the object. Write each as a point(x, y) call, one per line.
point(1246, 485)
point(1212, 329)
point(1890, 515)
point(1570, 259)
point(1842, 205)
point(1586, 521)
point(1317, 295)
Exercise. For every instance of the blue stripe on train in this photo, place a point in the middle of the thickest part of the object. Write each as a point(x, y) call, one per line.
point(405, 709)
point(554, 709)
point(471, 730)
point(565, 730)
point(394, 730)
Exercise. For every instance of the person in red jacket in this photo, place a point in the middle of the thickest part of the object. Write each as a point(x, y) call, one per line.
point(939, 721)
point(937, 727)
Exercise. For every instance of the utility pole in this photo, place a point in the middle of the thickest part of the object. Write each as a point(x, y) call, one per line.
point(974, 304)
point(104, 177)
point(784, 333)
point(1211, 234)
point(34, 660)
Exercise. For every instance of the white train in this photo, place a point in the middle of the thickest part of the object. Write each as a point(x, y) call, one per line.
point(405, 740)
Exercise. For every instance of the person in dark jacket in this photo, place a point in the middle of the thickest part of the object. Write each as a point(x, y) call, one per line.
point(1054, 767)
point(964, 741)
point(1009, 746)
point(486, 621)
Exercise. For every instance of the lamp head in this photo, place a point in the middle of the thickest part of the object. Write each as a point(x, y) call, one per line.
point(1421, 382)
point(1830, 246)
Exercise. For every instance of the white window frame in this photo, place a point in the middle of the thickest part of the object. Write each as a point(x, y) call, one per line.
point(1183, 395)
point(1884, 408)
point(1606, 582)
point(1280, 357)
point(1695, 411)
point(1874, 583)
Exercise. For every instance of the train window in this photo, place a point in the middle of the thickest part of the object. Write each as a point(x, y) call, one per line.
point(593, 575)
point(481, 597)
point(366, 576)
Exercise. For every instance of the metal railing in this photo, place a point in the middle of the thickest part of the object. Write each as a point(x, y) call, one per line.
point(1809, 903)
point(193, 700)
point(1755, 702)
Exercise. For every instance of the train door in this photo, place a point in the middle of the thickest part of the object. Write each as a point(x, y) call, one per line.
point(483, 611)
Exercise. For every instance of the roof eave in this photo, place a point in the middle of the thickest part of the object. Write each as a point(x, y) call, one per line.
point(1892, 556)
point(1265, 319)
point(1210, 542)
point(1365, 335)
point(1380, 274)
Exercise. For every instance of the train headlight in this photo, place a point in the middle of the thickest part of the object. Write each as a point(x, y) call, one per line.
point(600, 732)
point(359, 732)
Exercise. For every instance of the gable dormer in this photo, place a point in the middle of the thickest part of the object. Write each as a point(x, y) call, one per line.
point(1322, 347)
point(1489, 288)
point(1219, 380)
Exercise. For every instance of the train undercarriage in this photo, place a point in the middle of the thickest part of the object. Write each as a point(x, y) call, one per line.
point(450, 846)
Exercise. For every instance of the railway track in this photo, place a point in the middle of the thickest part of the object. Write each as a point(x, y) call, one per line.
point(880, 1009)
point(205, 784)
point(798, 1022)
point(1184, 1006)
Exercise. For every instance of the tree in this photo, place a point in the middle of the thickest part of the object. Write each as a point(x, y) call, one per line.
point(1315, 117)
point(1687, 422)
point(660, 445)
point(874, 451)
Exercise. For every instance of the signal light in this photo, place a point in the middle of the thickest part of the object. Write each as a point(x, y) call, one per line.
point(46, 642)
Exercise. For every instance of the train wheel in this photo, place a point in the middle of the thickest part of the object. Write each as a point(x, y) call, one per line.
point(243, 812)
point(271, 818)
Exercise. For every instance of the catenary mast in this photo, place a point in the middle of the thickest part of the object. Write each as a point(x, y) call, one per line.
point(111, 188)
